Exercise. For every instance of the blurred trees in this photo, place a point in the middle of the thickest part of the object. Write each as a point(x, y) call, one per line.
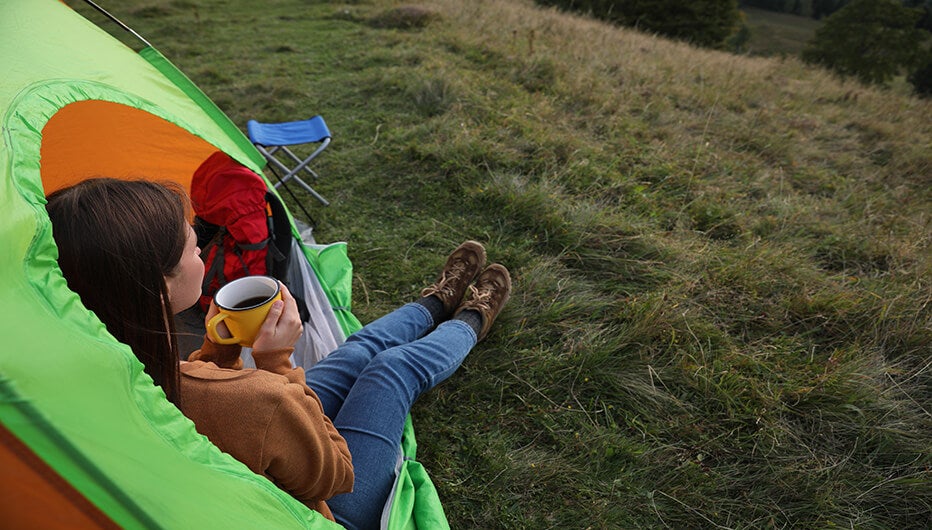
point(702, 22)
point(872, 40)
point(926, 6)
point(808, 8)
point(823, 8)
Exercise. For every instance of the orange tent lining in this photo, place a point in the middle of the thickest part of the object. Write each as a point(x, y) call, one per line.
point(100, 138)
point(41, 497)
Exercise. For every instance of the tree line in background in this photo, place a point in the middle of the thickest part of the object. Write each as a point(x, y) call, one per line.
point(703, 22)
point(818, 9)
point(871, 40)
point(874, 40)
point(807, 8)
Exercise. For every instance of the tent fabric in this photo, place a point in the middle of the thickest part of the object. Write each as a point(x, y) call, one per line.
point(59, 358)
point(181, 81)
point(33, 495)
point(122, 135)
point(322, 332)
point(413, 502)
point(75, 103)
point(41, 498)
point(330, 265)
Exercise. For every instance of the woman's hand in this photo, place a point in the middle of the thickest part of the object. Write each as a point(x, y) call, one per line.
point(282, 327)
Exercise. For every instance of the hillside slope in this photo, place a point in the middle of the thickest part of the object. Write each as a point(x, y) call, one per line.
point(722, 268)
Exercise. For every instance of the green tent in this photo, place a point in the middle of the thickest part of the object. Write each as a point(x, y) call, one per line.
point(86, 439)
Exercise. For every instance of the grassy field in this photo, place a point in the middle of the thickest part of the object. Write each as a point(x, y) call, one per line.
point(721, 315)
point(775, 33)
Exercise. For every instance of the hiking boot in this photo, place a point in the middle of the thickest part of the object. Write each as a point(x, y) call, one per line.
point(461, 268)
point(489, 294)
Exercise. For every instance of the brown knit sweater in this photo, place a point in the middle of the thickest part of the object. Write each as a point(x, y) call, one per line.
point(267, 419)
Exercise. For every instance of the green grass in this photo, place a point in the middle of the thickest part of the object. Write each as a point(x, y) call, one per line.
point(721, 315)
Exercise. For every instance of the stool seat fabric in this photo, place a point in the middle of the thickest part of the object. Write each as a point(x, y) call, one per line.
point(288, 133)
point(273, 141)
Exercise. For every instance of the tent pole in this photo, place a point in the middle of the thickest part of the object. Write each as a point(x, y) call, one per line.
point(117, 21)
point(310, 219)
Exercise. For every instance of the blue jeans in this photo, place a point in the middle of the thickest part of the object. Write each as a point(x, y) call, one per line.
point(367, 387)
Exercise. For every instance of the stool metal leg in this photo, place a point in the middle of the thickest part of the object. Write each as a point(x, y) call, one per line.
point(290, 174)
point(303, 164)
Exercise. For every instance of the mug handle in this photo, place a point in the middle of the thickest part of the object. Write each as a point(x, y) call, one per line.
point(212, 330)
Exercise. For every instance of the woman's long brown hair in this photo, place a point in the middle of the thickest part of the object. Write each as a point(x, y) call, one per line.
point(117, 240)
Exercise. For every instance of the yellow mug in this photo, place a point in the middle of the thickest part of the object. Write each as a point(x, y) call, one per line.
point(243, 303)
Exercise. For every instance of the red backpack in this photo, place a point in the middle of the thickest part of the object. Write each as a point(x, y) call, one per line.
point(241, 227)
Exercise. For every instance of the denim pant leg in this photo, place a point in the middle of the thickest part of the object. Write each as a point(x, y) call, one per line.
point(373, 415)
point(334, 376)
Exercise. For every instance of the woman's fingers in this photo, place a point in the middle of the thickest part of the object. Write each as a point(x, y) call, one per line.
point(291, 316)
point(222, 329)
point(275, 314)
point(282, 327)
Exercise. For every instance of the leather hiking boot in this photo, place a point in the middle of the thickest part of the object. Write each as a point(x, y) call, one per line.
point(461, 268)
point(489, 294)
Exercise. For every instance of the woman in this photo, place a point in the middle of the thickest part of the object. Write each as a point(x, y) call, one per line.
point(125, 247)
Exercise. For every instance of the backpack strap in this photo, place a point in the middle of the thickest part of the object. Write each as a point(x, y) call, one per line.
point(279, 252)
point(216, 265)
point(253, 246)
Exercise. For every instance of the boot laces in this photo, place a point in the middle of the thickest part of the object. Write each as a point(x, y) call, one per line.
point(449, 277)
point(481, 298)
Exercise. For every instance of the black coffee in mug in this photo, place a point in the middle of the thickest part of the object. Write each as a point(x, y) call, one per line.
point(249, 302)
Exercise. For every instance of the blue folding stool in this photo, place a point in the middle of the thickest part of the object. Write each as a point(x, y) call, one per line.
point(273, 139)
